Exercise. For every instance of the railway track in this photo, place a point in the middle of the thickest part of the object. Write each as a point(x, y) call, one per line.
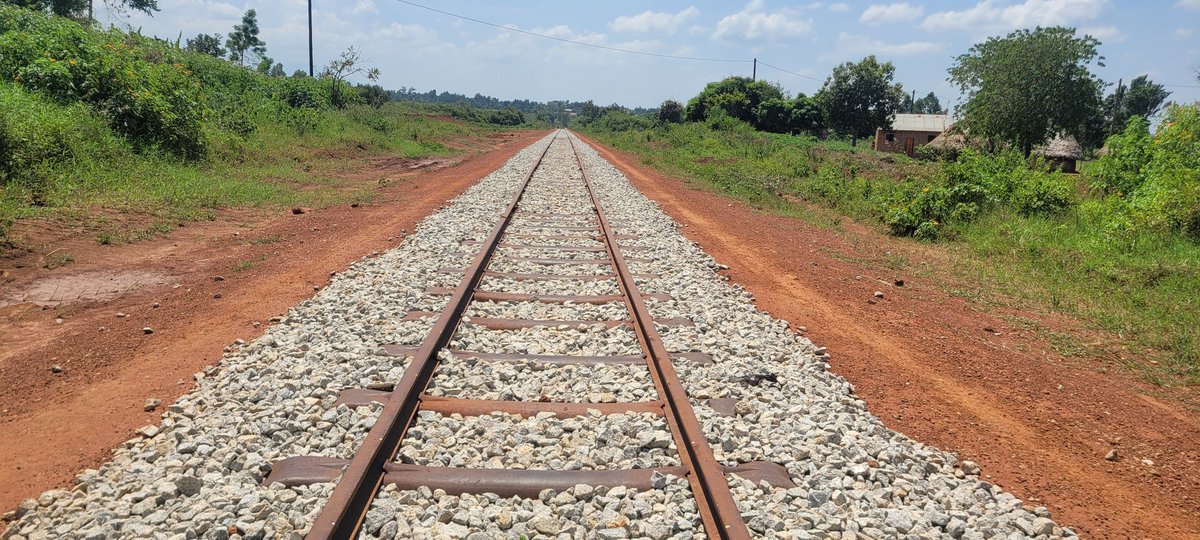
point(554, 222)
point(518, 367)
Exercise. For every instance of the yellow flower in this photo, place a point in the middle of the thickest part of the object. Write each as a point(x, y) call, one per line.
point(925, 190)
point(72, 62)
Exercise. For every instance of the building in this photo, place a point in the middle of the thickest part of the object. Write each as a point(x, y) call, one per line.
point(910, 131)
point(1062, 153)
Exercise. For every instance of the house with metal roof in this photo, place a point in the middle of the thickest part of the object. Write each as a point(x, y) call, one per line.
point(909, 131)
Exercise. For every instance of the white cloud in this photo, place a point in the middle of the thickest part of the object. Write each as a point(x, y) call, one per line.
point(994, 15)
point(650, 21)
point(1184, 33)
point(840, 6)
point(877, 14)
point(859, 45)
point(754, 22)
point(364, 6)
point(1188, 4)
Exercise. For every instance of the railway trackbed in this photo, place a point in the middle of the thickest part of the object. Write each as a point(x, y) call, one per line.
point(546, 357)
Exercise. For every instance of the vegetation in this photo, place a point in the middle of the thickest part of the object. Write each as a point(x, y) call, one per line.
point(1118, 246)
point(119, 122)
point(860, 97)
point(1025, 88)
point(1045, 239)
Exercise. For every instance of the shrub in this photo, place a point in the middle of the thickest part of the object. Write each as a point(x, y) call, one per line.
point(37, 134)
point(1040, 192)
point(128, 79)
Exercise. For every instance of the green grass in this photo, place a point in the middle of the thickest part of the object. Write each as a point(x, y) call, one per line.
point(111, 123)
point(275, 167)
point(1143, 286)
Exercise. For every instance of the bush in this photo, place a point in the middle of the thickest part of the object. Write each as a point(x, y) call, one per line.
point(146, 97)
point(37, 134)
point(1159, 175)
point(1039, 192)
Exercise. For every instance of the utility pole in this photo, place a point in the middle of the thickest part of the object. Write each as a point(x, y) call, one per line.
point(912, 103)
point(310, 55)
point(754, 71)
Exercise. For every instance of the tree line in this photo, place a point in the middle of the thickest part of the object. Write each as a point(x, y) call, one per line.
point(1019, 90)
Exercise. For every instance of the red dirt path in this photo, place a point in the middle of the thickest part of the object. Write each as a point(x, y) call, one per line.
point(923, 362)
point(53, 425)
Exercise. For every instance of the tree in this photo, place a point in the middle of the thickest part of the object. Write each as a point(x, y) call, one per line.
point(928, 105)
point(374, 95)
point(859, 97)
point(1144, 98)
point(206, 44)
point(670, 112)
point(1024, 88)
point(588, 112)
point(775, 115)
point(244, 39)
point(299, 74)
point(347, 64)
point(807, 116)
point(737, 96)
point(277, 70)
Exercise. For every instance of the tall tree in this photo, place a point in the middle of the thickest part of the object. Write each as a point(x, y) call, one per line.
point(1023, 88)
point(244, 39)
point(207, 44)
point(1143, 98)
point(860, 97)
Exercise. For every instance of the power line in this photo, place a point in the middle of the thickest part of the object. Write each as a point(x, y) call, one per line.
point(791, 72)
point(573, 42)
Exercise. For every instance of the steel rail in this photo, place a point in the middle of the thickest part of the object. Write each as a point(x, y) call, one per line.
point(346, 507)
point(720, 513)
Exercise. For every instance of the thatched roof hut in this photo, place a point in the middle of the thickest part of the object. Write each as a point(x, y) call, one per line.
point(951, 139)
point(1062, 152)
point(1061, 147)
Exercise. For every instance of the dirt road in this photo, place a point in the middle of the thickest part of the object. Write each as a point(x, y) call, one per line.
point(964, 380)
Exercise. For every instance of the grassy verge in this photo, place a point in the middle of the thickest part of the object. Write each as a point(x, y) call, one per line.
point(276, 167)
point(1035, 248)
point(130, 135)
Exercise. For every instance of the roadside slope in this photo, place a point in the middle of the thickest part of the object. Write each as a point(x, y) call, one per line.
point(56, 424)
point(924, 364)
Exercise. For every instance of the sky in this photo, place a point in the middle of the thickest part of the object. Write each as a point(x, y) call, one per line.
point(797, 43)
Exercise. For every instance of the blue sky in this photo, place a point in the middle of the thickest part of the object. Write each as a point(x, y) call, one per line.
point(419, 48)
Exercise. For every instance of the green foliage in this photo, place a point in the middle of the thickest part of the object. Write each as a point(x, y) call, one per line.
point(1024, 88)
point(207, 44)
point(244, 40)
point(670, 112)
point(929, 104)
point(1155, 179)
point(1010, 226)
point(146, 94)
point(1120, 169)
point(739, 97)
point(135, 124)
point(859, 97)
